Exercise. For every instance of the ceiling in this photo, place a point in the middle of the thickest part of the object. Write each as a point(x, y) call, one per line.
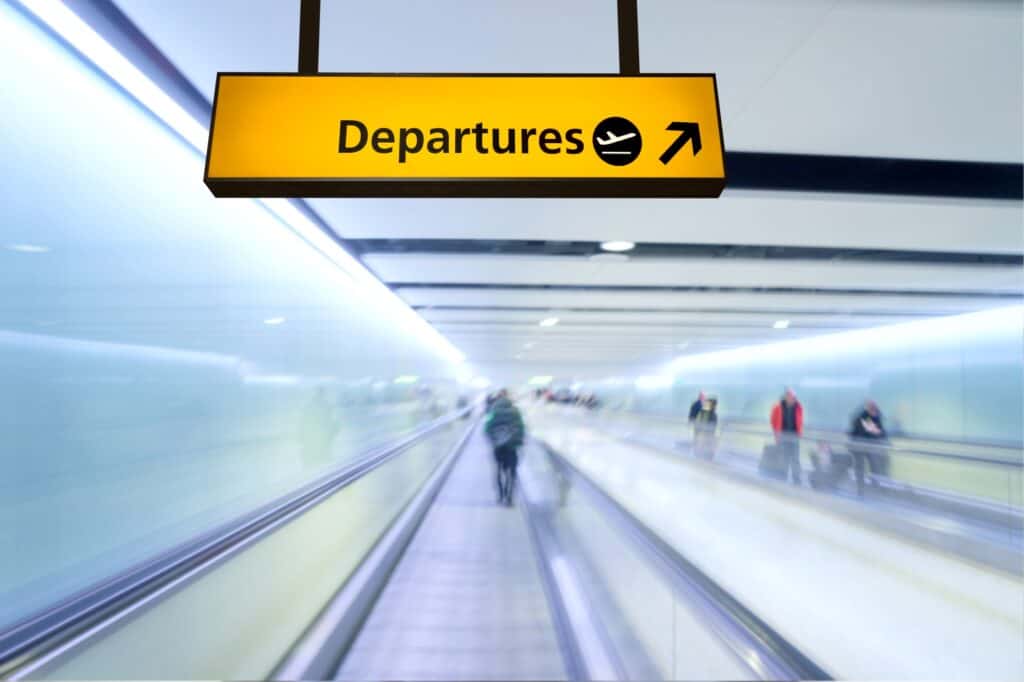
point(897, 78)
point(920, 79)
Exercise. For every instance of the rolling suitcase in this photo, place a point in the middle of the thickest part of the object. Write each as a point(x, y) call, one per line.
point(830, 471)
point(773, 463)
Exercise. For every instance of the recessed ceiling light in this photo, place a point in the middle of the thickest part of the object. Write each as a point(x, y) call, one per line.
point(406, 379)
point(28, 248)
point(549, 322)
point(274, 320)
point(781, 324)
point(617, 245)
point(528, 345)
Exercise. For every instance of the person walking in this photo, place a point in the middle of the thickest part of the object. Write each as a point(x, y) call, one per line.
point(787, 420)
point(696, 406)
point(867, 444)
point(505, 429)
point(705, 426)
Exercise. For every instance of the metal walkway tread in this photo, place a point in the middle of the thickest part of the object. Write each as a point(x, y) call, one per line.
point(466, 600)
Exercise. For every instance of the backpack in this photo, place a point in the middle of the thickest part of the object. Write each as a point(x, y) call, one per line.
point(503, 434)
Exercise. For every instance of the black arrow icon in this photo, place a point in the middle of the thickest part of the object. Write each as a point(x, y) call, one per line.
point(687, 132)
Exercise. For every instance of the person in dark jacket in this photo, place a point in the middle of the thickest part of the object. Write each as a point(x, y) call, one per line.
point(787, 420)
point(867, 443)
point(695, 408)
point(705, 427)
point(505, 429)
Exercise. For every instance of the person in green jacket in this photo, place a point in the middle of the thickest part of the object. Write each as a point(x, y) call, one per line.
point(505, 429)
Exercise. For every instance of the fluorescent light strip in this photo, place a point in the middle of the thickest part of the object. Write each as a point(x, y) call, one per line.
point(906, 334)
point(285, 211)
point(83, 38)
point(28, 248)
point(96, 49)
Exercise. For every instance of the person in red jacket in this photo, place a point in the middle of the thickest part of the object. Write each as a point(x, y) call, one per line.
point(788, 424)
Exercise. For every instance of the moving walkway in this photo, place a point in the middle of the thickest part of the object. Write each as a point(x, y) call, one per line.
point(400, 565)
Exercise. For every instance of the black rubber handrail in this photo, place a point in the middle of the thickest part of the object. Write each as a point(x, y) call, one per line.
point(747, 631)
point(28, 640)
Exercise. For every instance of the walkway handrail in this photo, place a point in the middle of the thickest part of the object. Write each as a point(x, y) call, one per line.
point(1004, 515)
point(993, 444)
point(27, 644)
point(844, 440)
point(321, 649)
point(752, 640)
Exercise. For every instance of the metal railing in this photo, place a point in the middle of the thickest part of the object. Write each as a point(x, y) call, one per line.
point(32, 643)
point(1001, 453)
point(761, 648)
point(994, 472)
point(988, 530)
point(319, 652)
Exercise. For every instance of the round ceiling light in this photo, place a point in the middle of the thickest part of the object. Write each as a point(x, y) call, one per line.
point(617, 246)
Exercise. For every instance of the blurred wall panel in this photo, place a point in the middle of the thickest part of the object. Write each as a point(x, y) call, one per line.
point(168, 361)
point(959, 377)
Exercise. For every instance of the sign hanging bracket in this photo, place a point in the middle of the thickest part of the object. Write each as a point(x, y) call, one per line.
point(629, 39)
point(309, 37)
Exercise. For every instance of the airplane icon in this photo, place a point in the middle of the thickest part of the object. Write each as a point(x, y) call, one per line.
point(617, 141)
point(612, 139)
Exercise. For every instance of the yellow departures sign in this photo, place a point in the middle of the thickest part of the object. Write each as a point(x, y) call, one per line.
point(325, 135)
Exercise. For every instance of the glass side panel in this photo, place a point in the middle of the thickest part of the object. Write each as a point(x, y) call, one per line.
point(168, 360)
